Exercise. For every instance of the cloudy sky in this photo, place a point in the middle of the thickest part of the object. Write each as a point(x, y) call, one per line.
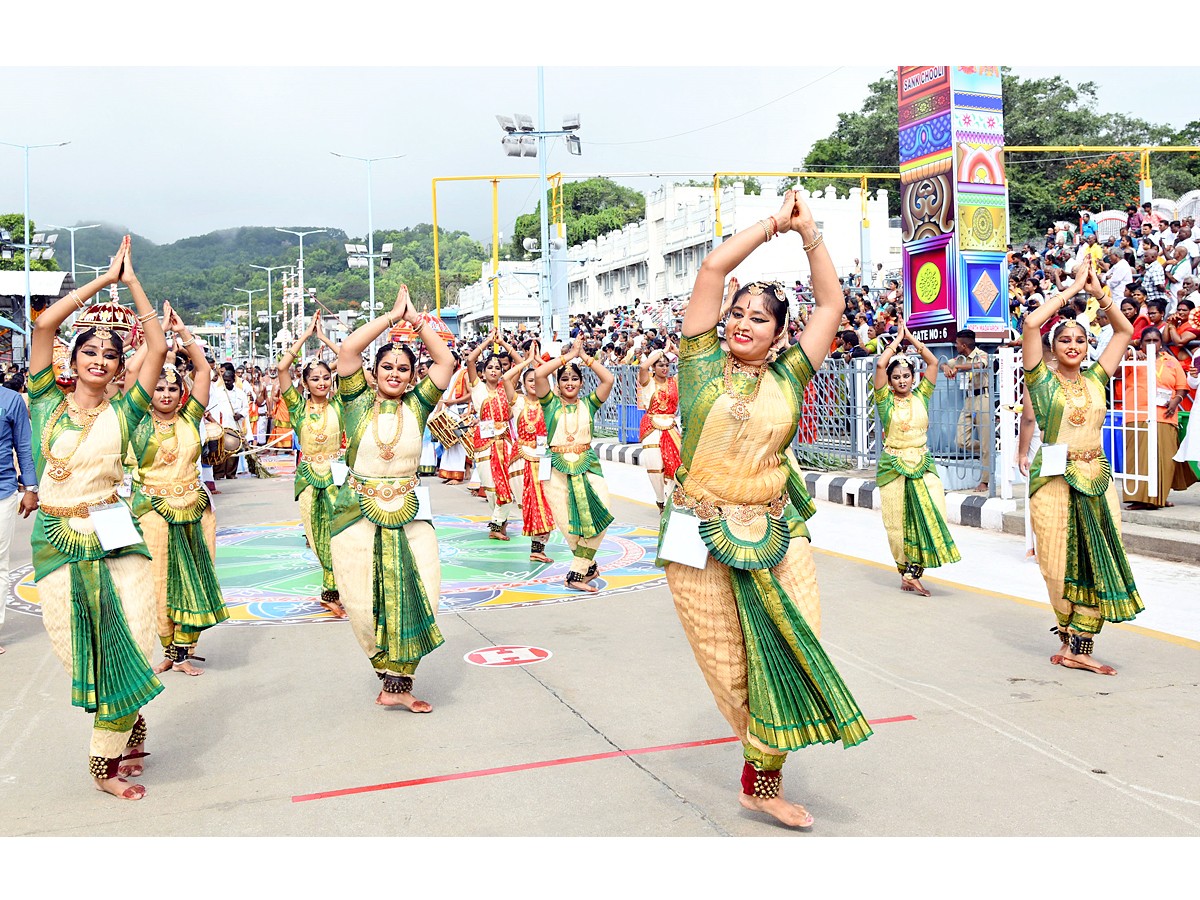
point(185, 141)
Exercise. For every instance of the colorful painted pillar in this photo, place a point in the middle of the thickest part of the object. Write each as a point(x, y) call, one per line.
point(953, 201)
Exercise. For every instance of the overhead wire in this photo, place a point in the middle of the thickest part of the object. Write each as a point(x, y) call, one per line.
point(723, 121)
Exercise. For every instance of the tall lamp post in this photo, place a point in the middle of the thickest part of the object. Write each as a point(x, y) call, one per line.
point(27, 148)
point(519, 140)
point(250, 292)
point(302, 235)
point(270, 321)
point(370, 226)
point(72, 230)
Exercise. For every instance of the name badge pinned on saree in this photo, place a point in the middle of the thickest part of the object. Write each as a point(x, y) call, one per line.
point(114, 526)
point(544, 469)
point(681, 541)
point(1054, 460)
point(424, 508)
point(125, 488)
point(338, 471)
point(487, 429)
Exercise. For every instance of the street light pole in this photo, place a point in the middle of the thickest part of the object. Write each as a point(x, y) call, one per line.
point(544, 267)
point(370, 226)
point(250, 292)
point(28, 306)
point(72, 230)
point(301, 235)
point(270, 322)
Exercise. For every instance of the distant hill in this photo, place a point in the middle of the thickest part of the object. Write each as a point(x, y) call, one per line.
point(201, 275)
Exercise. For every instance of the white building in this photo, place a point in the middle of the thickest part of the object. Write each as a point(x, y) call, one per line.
point(660, 255)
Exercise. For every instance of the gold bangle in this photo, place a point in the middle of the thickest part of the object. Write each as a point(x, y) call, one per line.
point(562, 361)
point(816, 242)
point(78, 302)
point(588, 362)
point(146, 317)
point(766, 230)
point(188, 342)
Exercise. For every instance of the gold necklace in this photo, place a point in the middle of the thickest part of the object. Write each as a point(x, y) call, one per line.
point(899, 403)
point(387, 449)
point(742, 407)
point(166, 427)
point(1075, 390)
point(59, 468)
point(571, 428)
point(317, 430)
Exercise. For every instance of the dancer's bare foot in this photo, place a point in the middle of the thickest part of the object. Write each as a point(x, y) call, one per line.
point(791, 814)
point(335, 608)
point(120, 788)
point(162, 666)
point(539, 557)
point(913, 585)
point(131, 763)
point(407, 700)
point(1084, 661)
point(186, 668)
point(586, 586)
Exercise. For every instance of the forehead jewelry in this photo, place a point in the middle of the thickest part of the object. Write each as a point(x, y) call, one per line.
point(103, 333)
point(761, 287)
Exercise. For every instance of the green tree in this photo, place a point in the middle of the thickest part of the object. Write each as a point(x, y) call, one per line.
point(866, 141)
point(1037, 112)
point(14, 223)
point(1110, 182)
point(590, 208)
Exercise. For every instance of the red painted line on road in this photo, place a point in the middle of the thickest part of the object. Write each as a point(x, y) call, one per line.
point(522, 767)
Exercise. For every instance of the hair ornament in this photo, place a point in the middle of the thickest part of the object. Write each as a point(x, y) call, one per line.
point(170, 373)
point(903, 359)
point(755, 288)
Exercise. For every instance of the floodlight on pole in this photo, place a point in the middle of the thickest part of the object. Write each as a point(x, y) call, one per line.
point(527, 141)
point(370, 248)
point(73, 229)
point(27, 148)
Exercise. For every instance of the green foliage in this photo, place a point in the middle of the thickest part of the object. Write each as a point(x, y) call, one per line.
point(867, 141)
point(750, 184)
point(1037, 112)
point(1110, 182)
point(15, 224)
point(590, 208)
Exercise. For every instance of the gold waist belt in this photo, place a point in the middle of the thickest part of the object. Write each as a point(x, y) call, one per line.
point(78, 511)
point(742, 514)
point(383, 489)
point(170, 488)
point(571, 448)
point(311, 458)
point(1085, 455)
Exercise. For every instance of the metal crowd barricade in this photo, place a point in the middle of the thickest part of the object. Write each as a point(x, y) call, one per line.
point(1128, 428)
point(1131, 425)
point(839, 425)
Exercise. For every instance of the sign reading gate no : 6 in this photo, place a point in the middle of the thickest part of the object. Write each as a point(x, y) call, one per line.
point(507, 655)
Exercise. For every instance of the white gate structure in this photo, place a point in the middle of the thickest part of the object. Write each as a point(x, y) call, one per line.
point(1127, 427)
